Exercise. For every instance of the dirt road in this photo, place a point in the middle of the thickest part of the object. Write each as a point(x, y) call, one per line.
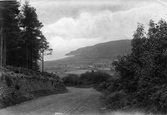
point(77, 101)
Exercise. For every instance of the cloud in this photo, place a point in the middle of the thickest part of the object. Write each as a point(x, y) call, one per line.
point(71, 24)
point(105, 24)
point(89, 28)
point(57, 9)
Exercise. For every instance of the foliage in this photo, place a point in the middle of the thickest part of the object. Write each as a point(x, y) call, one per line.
point(89, 78)
point(8, 81)
point(23, 40)
point(86, 79)
point(28, 73)
point(142, 74)
point(116, 100)
point(21, 84)
point(34, 40)
point(71, 79)
point(9, 19)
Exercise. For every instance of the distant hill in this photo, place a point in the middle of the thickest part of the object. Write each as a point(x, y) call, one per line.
point(108, 50)
point(99, 53)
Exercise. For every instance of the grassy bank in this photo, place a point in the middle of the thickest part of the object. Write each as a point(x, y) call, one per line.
point(19, 84)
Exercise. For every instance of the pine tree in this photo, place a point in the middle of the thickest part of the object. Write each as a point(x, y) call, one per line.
point(34, 40)
point(9, 17)
point(23, 41)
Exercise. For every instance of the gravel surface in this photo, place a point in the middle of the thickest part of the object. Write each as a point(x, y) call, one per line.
point(77, 101)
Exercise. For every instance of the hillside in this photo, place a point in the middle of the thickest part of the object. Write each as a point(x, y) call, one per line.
point(99, 53)
point(104, 50)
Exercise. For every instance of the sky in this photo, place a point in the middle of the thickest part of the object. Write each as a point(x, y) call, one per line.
point(72, 24)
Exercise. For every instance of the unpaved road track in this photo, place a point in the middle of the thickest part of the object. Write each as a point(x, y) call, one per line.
point(77, 101)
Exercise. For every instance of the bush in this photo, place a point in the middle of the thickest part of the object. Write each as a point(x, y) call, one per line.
point(71, 80)
point(90, 78)
point(30, 73)
point(87, 79)
point(116, 100)
point(17, 87)
point(8, 81)
point(16, 91)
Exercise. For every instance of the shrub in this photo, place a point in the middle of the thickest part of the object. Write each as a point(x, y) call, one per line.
point(8, 81)
point(17, 87)
point(71, 79)
point(31, 73)
point(98, 77)
point(116, 100)
point(87, 79)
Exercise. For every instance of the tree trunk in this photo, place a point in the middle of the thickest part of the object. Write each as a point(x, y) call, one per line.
point(1, 43)
point(42, 61)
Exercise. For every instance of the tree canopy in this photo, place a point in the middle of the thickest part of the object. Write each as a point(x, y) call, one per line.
point(143, 73)
point(23, 39)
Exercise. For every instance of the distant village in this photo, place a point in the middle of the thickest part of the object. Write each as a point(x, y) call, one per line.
point(62, 69)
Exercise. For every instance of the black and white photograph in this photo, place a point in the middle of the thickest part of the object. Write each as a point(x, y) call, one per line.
point(83, 57)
